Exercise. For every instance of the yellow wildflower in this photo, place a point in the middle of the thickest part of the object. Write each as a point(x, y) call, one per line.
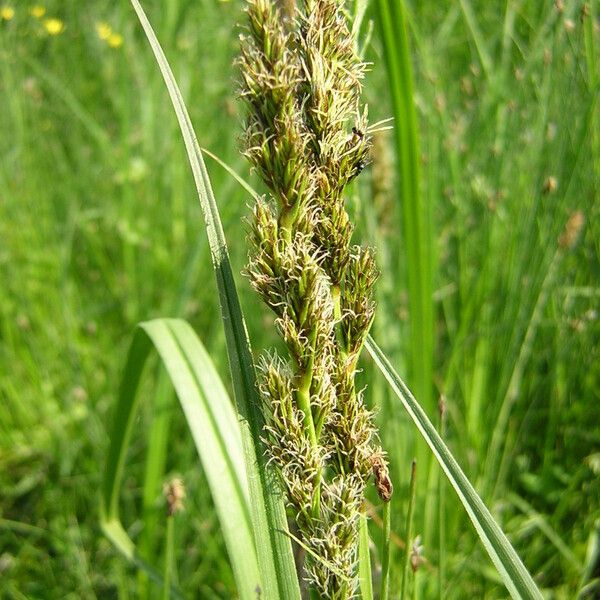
point(54, 26)
point(103, 30)
point(7, 13)
point(115, 40)
point(37, 11)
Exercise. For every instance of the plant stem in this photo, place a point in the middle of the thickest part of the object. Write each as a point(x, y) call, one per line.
point(364, 559)
point(441, 514)
point(168, 567)
point(385, 553)
point(409, 524)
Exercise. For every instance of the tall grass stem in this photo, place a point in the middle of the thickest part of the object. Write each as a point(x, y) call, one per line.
point(409, 529)
point(385, 552)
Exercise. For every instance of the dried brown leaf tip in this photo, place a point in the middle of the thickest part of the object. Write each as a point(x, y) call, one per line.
point(307, 136)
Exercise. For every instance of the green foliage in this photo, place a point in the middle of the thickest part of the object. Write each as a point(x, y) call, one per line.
point(307, 137)
point(507, 104)
point(273, 548)
point(513, 572)
point(216, 433)
point(99, 231)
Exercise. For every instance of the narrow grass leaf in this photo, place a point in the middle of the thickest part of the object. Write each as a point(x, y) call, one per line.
point(364, 559)
point(415, 210)
point(255, 195)
point(539, 521)
point(478, 38)
point(213, 424)
point(276, 561)
point(515, 576)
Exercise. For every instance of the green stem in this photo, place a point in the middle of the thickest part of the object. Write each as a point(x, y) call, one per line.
point(169, 555)
point(343, 355)
point(409, 528)
point(441, 516)
point(303, 402)
point(336, 295)
point(364, 558)
point(415, 210)
point(337, 299)
point(303, 395)
point(385, 553)
point(287, 220)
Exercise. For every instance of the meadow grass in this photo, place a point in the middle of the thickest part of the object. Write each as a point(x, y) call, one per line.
point(100, 230)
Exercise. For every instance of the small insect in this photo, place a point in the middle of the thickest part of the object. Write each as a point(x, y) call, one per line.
point(357, 141)
point(358, 169)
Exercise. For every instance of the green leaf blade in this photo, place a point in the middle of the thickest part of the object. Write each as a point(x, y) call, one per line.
point(273, 547)
point(416, 211)
point(212, 421)
point(515, 576)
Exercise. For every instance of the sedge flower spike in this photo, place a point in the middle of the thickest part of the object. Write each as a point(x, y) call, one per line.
point(307, 137)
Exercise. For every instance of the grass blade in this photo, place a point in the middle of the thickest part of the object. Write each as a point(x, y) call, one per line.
point(364, 559)
point(214, 427)
point(278, 574)
point(515, 576)
point(478, 38)
point(415, 211)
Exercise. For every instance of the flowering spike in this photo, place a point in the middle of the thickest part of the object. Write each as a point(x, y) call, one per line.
point(307, 137)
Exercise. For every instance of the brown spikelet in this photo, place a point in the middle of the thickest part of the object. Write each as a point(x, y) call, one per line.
point(174, 493)
point(383, 483)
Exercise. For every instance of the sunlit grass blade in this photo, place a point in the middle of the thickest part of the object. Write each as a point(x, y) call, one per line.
point(441, 540)
point(514, 574)
point(233, 173)
point(278, 575)
point(587, 585)
point(213, 424)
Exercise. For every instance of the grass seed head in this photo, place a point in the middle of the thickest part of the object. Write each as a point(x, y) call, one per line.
point(308, 137)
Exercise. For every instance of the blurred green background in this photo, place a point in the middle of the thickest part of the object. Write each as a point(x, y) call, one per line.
point(100, 229)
